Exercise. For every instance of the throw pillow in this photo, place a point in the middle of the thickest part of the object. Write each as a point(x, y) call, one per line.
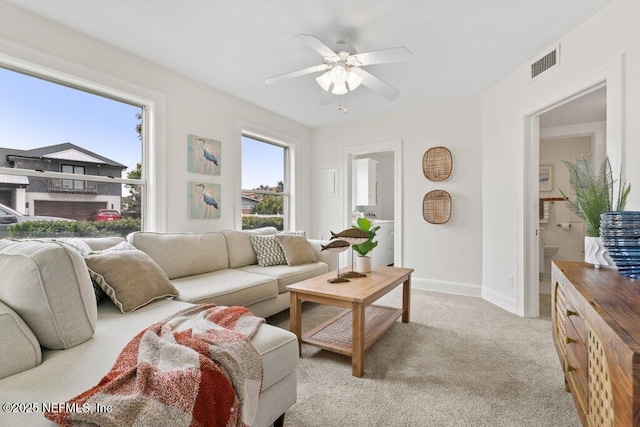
point(122, 246)
point(293, 233)
point(130, 278)
point(268, 250)
point(297, 249)
point(78, 245)
point(85, 250)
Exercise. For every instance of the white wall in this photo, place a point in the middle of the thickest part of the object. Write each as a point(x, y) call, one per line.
point(186, 107)
point(445, 257)
point(604, 48)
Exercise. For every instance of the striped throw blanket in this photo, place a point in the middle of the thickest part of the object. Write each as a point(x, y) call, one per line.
point(195, 368)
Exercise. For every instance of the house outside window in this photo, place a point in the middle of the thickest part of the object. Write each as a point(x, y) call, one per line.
point(265, 183)
point(104, 149)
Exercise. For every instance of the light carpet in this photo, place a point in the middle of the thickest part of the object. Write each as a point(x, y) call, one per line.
point(460, 362)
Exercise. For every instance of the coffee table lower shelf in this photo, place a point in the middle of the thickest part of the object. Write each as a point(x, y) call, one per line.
point(336, 334)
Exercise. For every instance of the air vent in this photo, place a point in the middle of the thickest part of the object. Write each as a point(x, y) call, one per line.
point(546, 62)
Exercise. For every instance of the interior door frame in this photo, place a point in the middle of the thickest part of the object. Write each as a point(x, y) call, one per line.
point(394, 146)
point(611, 76)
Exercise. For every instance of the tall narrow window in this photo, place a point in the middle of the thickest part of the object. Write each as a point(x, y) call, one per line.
point(51, 132)
point(265, 187)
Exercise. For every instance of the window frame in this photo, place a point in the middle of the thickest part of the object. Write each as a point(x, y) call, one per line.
point(152, 107)
point(287, 193)
point(76, 184)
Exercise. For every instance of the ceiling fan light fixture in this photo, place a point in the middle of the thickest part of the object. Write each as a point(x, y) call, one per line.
point(325, 81)
point(340, 89)
point(338, 74)
point(353, 80)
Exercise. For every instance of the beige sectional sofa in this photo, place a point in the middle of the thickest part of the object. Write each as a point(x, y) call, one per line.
point(57, 342)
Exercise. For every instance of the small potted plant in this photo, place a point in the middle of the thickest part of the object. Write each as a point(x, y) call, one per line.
point(595, 196)
point(364, 261)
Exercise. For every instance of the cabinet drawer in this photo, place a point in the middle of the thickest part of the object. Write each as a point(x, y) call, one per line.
point(577, 364)
point(576, 320)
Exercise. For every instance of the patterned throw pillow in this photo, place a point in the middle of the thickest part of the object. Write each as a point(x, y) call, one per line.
point(122, 246)
point(268, 250)
point(78, 245)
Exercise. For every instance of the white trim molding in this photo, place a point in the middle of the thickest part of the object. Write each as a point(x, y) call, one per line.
point(447, 287)
point(500, 300)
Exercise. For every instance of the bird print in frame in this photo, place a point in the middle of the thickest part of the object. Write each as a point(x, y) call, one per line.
point(204, 200)
point(203, 155)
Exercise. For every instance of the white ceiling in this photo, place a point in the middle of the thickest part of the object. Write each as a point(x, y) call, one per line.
point(589, 108)
point(460, 48)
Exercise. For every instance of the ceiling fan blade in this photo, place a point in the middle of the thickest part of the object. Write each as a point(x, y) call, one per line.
point(314, 43)
point(325, 98)
point(377, 85)
point(394, 54)
point(298, 73)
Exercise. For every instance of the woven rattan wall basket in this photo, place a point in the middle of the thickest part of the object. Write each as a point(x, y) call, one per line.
point(436, 207)
point(437, 164)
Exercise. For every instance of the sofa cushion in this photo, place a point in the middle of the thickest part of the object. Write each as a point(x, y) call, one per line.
point(239, 245)
point(297, 250)
point(20, 349)
point(130, 278)
point(279, 351)
point(183, 254)
point(286, 275)
point(48, 285)
point(226, 287)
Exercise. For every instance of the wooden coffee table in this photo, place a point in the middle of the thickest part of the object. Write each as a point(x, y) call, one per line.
point(368, 322)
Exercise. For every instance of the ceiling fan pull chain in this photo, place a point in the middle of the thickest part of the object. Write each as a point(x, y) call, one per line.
point(345, 103)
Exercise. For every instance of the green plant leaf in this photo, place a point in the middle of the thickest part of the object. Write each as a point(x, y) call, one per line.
point(594, 194)
point(365, 224)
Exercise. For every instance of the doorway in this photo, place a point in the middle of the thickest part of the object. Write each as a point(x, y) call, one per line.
point(388, 155)
point(573, 130)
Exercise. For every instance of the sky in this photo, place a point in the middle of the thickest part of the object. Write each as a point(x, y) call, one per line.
point(36, 113)
point(262, 164)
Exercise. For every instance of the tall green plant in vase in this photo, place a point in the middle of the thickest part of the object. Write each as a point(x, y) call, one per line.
point(595, 196)
point(364, 261)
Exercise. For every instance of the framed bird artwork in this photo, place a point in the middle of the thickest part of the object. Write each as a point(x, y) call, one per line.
point(204, 200)
point(203, 155)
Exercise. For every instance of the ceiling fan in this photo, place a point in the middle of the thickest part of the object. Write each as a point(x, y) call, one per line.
point(342, 69)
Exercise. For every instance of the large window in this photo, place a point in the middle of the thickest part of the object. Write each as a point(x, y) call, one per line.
point(265, 188)
point(51, 132)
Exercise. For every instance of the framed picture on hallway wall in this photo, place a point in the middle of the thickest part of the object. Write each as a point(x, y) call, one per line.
point(546, 178)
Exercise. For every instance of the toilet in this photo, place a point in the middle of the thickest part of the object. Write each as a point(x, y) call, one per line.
point(549, 251)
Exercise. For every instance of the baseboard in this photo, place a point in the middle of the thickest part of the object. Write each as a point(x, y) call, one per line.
point(500, 300)
point(457, 288)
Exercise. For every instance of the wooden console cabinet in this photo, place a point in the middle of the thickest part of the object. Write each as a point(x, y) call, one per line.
point(596, 330)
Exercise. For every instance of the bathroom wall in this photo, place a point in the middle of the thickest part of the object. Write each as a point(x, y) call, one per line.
point(564, 228)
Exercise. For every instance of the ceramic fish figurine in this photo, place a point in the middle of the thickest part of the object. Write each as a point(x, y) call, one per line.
point(353, 236)
point(336, 246)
